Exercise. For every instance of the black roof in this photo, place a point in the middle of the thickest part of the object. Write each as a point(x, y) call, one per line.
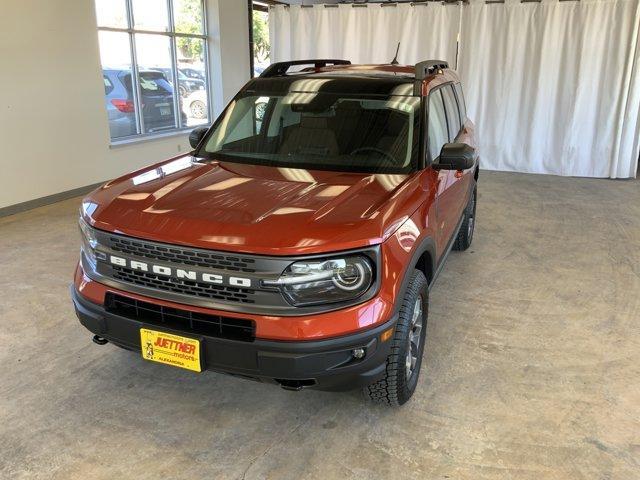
point(336, 81)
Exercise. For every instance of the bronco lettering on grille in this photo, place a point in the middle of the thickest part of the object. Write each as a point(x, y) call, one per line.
point(181, 273)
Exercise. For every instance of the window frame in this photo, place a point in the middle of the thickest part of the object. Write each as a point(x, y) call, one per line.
point(171, 33)
point(452, 135)
point(462, 104)
point(430, 161)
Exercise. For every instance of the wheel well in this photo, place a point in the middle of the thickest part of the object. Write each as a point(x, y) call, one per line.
point(425, 265)
point(476, 173)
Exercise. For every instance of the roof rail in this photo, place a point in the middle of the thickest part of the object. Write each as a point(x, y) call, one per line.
point(424, 69)
point(280, 68)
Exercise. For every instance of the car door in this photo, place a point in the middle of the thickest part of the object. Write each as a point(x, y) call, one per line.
point(458, 187)
point(438, 135)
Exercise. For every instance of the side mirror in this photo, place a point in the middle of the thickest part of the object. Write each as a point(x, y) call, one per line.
point(455, 156)
point(196, 136)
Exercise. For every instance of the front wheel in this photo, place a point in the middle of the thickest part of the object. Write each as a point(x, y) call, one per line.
point(407, 346)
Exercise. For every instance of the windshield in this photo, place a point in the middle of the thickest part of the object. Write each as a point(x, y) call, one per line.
point(324, 131)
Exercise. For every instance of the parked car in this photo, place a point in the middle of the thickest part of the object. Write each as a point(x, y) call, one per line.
point(192, 72)
point(186, 85)
point(156, 99)
point(298, 242)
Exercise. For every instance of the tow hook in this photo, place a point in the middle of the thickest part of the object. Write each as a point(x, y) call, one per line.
point(295, 385)
point(99, 340)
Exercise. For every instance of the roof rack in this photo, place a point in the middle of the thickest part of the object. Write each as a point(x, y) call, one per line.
point(429, 67)
point(280, 68)
point(424, 69)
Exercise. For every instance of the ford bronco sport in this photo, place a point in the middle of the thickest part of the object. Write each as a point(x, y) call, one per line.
point(297, 243)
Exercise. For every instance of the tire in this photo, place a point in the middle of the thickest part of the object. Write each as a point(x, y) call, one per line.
point(198, 109)
point(402, 372)
point(465, 235)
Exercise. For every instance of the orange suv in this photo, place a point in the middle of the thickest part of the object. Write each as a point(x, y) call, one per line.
point(297, 243)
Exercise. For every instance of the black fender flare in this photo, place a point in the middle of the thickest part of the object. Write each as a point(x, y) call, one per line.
point(426, 245)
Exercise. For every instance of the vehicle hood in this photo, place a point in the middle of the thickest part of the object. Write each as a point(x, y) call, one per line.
point(254, 209)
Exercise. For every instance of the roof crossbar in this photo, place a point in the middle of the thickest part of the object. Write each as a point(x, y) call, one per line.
point(281, 68)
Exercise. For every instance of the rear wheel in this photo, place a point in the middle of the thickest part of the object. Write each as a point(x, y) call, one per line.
point(465, 235)
point(407, 346)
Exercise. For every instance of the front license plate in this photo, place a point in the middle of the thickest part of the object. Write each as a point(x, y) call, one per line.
point(182, 352)
point(165, 111)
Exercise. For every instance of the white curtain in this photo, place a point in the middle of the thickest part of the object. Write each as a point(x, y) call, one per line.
point(553, 87)
point(364, 34)
point(549, 85)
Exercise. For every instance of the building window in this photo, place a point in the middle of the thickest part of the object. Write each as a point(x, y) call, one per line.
point(259, 35)
point(147, 48)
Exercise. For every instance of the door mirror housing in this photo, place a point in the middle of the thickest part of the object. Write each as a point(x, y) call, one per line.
point(455, 156)
point(196, 136)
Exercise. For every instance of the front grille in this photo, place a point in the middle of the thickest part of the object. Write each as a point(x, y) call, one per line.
point(181, 320)
point(182, 255)
point(182, 286)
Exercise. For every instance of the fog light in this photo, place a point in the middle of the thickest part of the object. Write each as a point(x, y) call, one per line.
point(358, 353)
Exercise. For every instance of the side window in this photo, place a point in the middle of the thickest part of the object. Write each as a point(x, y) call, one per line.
point(244, 122)
point(453, 116)
point(438, 134)
point(108, 86)
point(240, 126)
point(461, 102)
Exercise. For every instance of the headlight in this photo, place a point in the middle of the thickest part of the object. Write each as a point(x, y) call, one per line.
point(89, 241)
point(325, 281)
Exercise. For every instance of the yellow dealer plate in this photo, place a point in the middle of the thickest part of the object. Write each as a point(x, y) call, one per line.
point(171, 349)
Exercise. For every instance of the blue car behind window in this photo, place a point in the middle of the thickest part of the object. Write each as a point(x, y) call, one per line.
point(156, 99)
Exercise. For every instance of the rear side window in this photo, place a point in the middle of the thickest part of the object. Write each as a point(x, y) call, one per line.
point(108, 86)
point(438, 133)
point(151, 83)
point(453, 116)
point(461, 102)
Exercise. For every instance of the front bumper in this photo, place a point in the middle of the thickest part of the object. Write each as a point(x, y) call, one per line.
point(326, 364)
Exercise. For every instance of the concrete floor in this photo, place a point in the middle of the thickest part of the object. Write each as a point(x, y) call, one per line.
point(532, 365)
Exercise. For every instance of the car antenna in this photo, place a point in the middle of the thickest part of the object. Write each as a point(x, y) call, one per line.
point(395, 59)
